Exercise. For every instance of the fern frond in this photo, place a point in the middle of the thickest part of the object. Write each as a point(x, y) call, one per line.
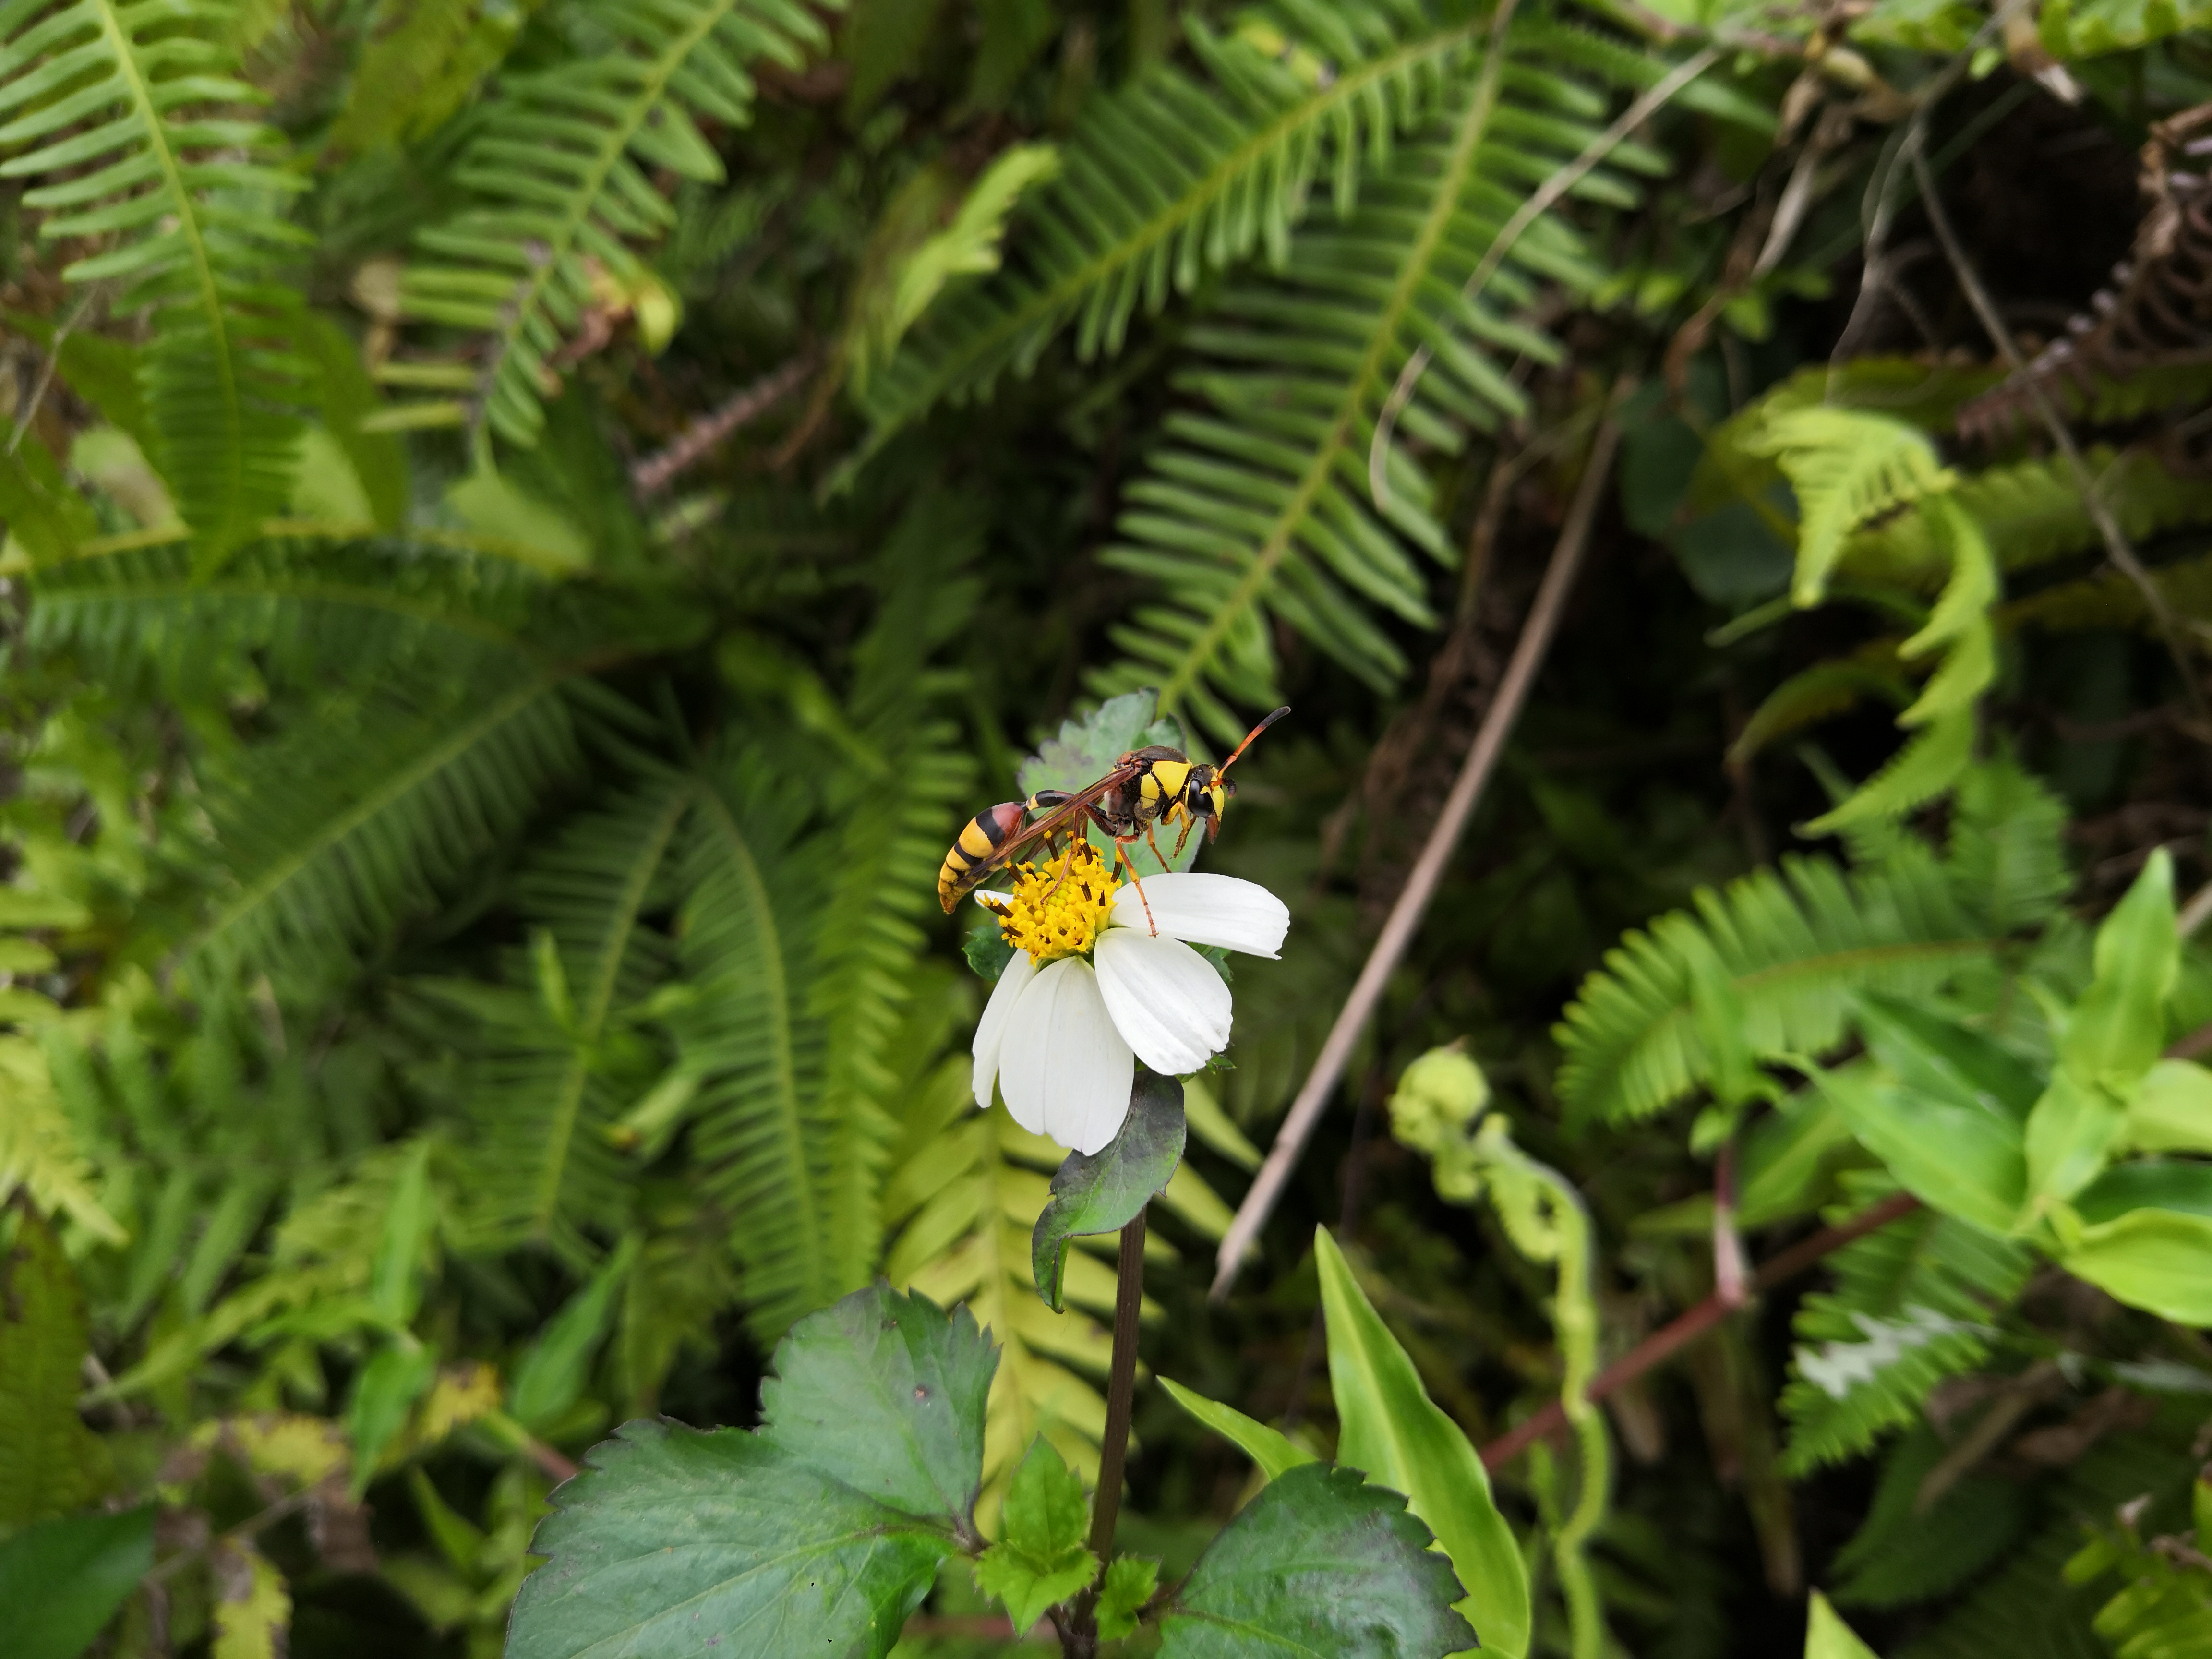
point(1256, 504)
point(2110, 600)
point(41, 1153)
point(132, 115)
point(761, 1135)
point(2026, 1606)
point(1915, 1302)
point(2033, 515)
point(1794, 946)
point(559, 170)
point(1847, 466)
point(2072, 29)
point(551, 1077)
point(313, 608)
point(1169, 180)
point(423, 58)
point(334, 836)
point(1906, 1551)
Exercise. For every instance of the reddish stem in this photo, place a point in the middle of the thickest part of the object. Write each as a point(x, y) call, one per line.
point(1666, 1342)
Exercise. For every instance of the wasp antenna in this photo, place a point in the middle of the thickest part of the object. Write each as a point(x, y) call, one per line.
point(1249, 736)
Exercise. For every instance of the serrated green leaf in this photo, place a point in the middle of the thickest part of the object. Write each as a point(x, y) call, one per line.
point(1102, 1193)
point(62, 1580)
point(1321, 1562)
point(1130, 1583)
point(1272, 1449)
point(1396, 1433)
point(1040, 1559)
point(769, 1543)
point(47, 1457)
point(884, 1394)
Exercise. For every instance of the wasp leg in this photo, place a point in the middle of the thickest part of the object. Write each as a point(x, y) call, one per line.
point(1122, 855)
point(1166, 863)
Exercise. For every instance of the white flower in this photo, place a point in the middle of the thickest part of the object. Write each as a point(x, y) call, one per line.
point(1095, 984)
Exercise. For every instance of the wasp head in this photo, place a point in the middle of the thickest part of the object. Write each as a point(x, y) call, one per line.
point(1206, 796)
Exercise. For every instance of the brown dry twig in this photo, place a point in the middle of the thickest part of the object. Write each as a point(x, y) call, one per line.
point(1406, 916)
point(698, 439)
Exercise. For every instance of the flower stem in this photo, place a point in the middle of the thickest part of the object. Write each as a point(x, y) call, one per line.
point(1120, 1388)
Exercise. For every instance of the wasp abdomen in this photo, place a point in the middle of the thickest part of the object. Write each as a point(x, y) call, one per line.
point(977, 844)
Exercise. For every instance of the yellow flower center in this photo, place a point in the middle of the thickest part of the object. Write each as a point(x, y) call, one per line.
point(1060, 907)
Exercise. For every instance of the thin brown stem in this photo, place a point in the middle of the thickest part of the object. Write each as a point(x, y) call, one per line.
point(700, 438)
point(2117, 545)
point(1670, 1339)
point(1120, 1388)
point(1428, 870)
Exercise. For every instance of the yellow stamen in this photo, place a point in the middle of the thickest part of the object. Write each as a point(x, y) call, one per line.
point(1059, 907)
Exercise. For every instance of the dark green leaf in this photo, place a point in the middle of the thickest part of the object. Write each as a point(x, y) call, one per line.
point(884, 1394)
point(1319, 1563)
point(1102, 1193)
point(47, 1457)
point(672, 1543)
point(986, 948)
point(1040, 1560)
point(62, 1580)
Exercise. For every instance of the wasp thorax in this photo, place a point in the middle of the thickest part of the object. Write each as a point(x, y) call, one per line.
point(1060, 907)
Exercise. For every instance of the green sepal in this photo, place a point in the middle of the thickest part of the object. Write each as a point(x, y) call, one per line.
point(1040, 1559)
point(986, 948)
point(1101, 1193)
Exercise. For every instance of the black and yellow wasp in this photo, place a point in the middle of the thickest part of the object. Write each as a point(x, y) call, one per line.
point(1147, 786)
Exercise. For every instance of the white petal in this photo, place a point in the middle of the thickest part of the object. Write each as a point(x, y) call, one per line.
point(1237, 915)
point(991, 1029)
point(1064, 1071)
point(1167, 1001)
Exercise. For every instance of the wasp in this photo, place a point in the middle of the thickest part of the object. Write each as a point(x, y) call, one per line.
point(1147, 786)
